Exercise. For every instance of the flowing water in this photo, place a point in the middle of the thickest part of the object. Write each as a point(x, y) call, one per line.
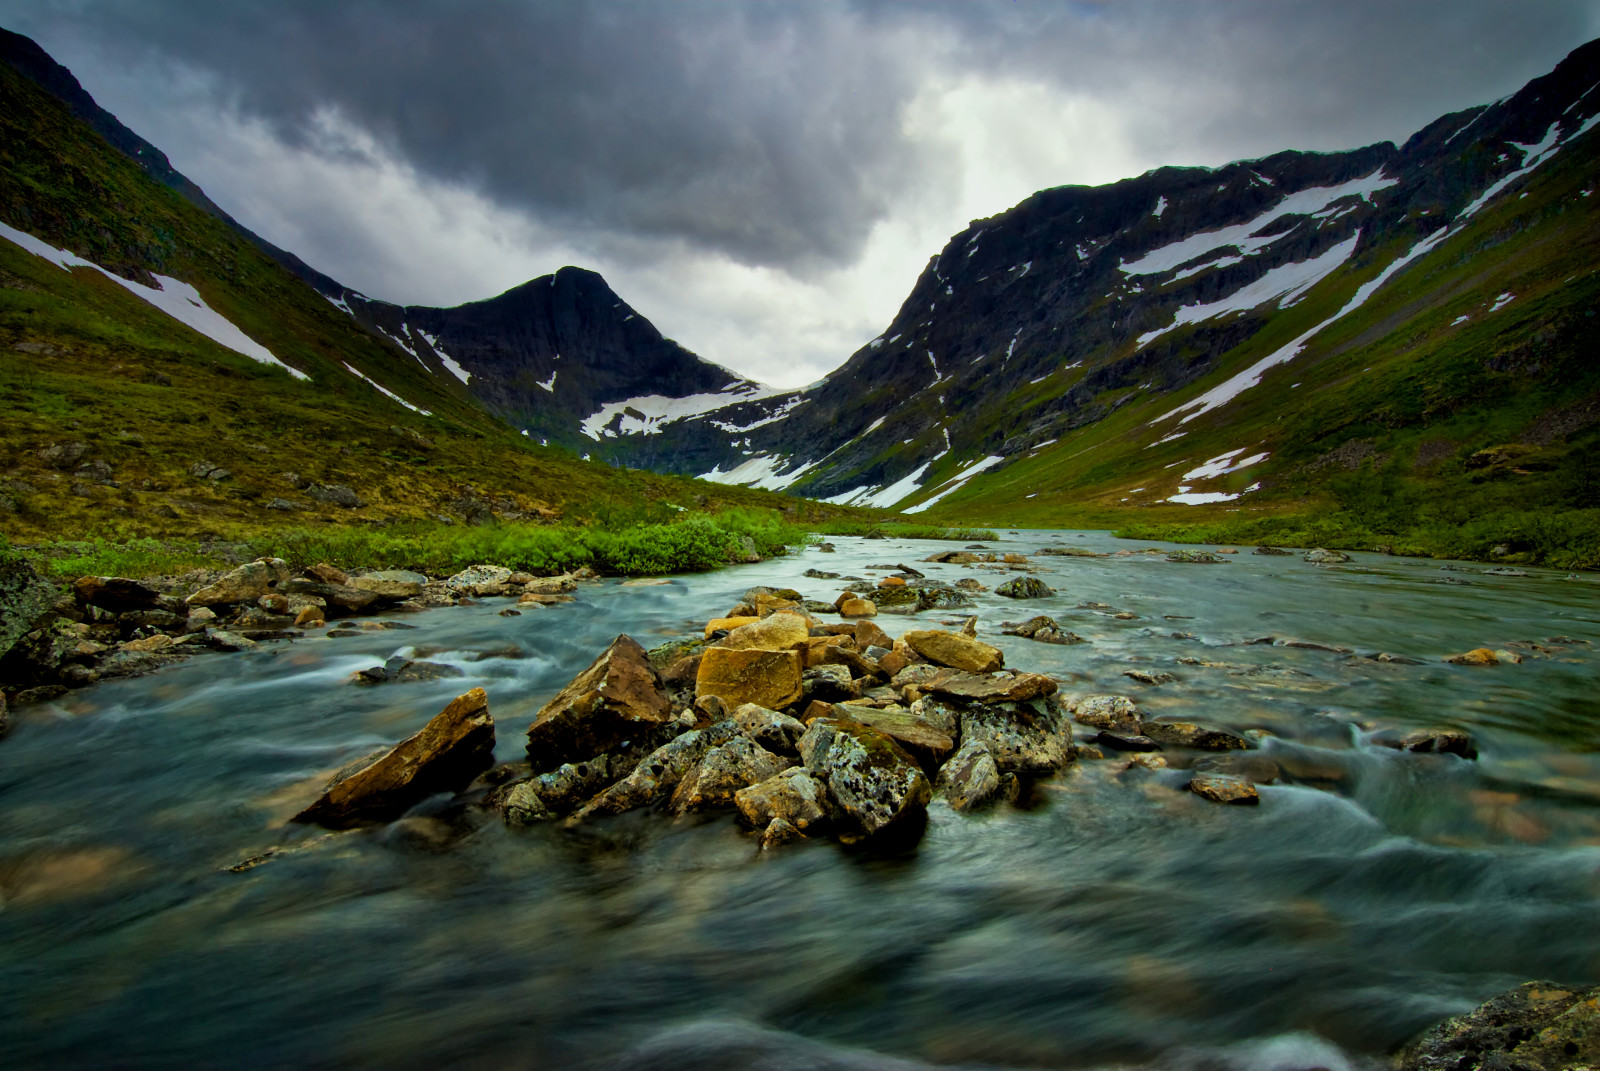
point(1114, 920)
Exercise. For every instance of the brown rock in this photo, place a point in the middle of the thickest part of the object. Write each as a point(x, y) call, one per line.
point(780, 831)
point(868, 634)
point(728, 624)
point(971, 778)
point(614, 699)
point(443, 756)
point(388, 589)
point(1117, 713)
point(857, 608)
point(1188, 734)
point(328, 574)
point(767, 678)
point(1220, 788)
point(115, 593)
point(778, 733)
point(309, 617)
point(955, 650)
point(792, 796)
point(776, 632)
point(1478, 656)
point(991, 688)
point(892, 582)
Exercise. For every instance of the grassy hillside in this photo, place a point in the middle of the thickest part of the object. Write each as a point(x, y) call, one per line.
point(1428, 418)
point(117, 418)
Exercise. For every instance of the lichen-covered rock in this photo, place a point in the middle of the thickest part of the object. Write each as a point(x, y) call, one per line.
point(872, 783)
point(927, 739)
point(481, 581)
point(971, 778)
point(115, 593)
point(658, 773)
point(1323, 556)
point(444, 755)
point(777, 732)
point(1024, 738)
point(1220, 788)
point(722, 771)
point(341, 597)
point(1188, 734)
point(617, 697)
point(1538, 1026)
point(25, 597)
point(1024, 587)
point(829, 683)
point(390, 587)
point(1115, 712)
point(245, 584)
point(793, 796)
point(955, 650)
point(776, 632)
point(1043, 629)
point(780, 831)
point(767, 678)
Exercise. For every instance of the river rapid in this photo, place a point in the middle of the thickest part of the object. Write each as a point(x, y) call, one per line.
point(1113, 920)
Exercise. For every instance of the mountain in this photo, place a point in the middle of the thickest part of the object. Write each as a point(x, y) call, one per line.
point(1233, 338)
point(164, 371)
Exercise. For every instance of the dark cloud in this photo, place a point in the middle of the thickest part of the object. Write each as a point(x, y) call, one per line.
point(774, 133)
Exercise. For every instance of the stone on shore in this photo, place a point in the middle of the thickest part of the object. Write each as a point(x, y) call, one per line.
point(619, 696)
point(857, 608)
point(727, 624)
point(444, 755)
point(872, 783)
point(1221, 788)
point(115, 593)
point(991, 688)
point(771, 679)
point(395, 585)
point(971, 778)
point(245, 584)
point(1538, 1026)
point(792, 796)
point(343, 597)
point(481, 581)
point(955, 650)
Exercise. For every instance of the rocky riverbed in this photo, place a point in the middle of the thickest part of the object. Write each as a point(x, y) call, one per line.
point(978, 806)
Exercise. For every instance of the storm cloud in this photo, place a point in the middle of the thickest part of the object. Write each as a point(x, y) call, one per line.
point(764, 180)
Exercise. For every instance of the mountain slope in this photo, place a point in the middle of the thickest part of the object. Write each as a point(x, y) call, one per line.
point(160, 373)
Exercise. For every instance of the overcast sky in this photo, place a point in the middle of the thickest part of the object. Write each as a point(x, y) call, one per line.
point(763, 180)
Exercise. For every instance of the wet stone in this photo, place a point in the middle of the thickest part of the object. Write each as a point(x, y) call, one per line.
point(1220, 788)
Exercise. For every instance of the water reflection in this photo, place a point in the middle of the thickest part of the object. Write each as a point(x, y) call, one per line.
point(1115, 919)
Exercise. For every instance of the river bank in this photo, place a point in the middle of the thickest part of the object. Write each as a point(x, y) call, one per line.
point(1111, 916)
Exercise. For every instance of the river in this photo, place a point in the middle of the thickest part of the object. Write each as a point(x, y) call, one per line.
point(1116, 920)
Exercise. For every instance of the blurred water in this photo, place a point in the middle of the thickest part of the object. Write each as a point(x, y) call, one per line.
point(1117, 920)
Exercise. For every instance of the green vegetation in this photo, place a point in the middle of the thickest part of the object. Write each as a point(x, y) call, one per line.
point(691, 543)
point(902, 530)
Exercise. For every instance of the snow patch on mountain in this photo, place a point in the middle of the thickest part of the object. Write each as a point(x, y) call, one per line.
point(382, 389)
point(174, 297)
point(958, 481)
point(655, 411)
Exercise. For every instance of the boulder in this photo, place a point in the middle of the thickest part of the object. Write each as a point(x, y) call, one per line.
point(830, 683)
point(1538, 1026)
point(309, 617)
point(726, 624)
point(955, 650)
point(388, 588)
point(659, 772)
point(328, 574)
point(1117, 713)
point(971, 778)
point(722, 771)
point(616, 698)
point(857, 608)
point(1220, 788)
point(872, 783)
point(1024, 587)
point(793, 796)
point(564, 584)
point(868, 634)
point(334, 494)
point(481, 581)
point(778, 733)
point(342, 597)
point(1264, 549)
point(1041, 628)
point(245, 584)
point(115, 593)
point(776, 632)
point(1025, 738)
point(445, 755)
point(1323, 556)
point(991, 688)
point(767, 678)
point(1197, 737)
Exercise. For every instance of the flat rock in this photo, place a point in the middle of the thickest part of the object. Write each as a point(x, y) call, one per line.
point(927, 740)
point(1197, 737)
point(955, 650)
point(444, 755)
point(1118, 740)
point(617, 697)
point(992, 687)
point(387, 588)
point(1220, 788)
